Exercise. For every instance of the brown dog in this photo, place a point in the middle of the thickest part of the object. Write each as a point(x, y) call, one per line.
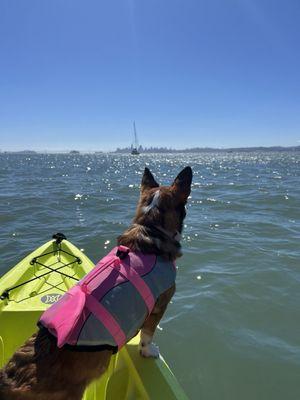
point(40, 370)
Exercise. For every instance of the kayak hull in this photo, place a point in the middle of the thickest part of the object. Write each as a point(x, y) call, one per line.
point(51, 270)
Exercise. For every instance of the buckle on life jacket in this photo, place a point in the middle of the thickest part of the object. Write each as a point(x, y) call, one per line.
point(122, 252)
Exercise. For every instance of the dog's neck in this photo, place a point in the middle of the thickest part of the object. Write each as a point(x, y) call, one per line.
point(152, 239)
point(171, 235)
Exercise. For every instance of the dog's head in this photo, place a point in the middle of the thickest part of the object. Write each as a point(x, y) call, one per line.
point(159, 216)
point(164, 206)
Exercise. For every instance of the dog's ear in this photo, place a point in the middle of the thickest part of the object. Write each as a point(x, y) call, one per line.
point(182, 184)
point(148, 181)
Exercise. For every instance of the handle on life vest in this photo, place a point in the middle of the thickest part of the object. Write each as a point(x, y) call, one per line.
point(122, 252)
point(59, 237)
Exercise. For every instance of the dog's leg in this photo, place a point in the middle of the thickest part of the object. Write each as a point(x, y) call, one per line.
point(146, 347)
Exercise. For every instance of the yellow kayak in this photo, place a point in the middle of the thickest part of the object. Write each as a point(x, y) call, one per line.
point(38, 281)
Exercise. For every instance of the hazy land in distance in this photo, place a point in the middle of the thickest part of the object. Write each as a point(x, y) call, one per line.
point(155, 150)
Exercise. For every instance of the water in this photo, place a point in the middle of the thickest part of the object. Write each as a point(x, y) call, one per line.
point(233, 329)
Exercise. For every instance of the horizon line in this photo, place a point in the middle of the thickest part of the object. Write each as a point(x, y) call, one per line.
point(153, 149)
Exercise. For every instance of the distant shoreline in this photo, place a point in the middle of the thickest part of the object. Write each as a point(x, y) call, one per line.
point(211, 149)
point(163, 150)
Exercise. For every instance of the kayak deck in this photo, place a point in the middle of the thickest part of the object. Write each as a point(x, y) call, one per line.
point(38, 281)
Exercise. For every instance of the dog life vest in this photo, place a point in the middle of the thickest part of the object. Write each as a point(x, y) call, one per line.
point(109, 305)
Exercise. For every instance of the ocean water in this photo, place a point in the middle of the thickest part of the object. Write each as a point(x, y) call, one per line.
point(232, 331)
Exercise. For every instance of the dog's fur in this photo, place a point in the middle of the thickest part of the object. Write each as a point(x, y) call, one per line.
point(39, 370)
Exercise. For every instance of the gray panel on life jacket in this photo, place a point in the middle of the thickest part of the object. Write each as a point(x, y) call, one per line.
point(127, 306)
point(161, 277)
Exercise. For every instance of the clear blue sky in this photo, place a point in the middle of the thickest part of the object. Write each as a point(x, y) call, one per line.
point(75, 74)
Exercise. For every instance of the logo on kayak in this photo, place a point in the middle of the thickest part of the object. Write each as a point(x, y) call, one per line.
point(51, 298)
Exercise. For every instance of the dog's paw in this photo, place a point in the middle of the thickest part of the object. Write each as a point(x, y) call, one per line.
point(149, 351)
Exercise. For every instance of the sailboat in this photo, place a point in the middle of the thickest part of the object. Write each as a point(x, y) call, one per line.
point(135, 145)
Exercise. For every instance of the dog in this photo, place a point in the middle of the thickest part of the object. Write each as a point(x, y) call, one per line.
point(40, 370)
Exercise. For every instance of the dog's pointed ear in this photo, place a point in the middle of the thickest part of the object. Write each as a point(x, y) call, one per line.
point(182, 184)
point(148, 181)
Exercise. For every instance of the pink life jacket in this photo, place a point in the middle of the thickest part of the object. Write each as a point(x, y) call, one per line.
point(109, 305)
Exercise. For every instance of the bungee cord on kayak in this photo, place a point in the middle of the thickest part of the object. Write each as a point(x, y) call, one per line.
point(59, 237)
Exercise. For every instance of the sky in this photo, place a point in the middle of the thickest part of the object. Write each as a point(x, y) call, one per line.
point(218, 73)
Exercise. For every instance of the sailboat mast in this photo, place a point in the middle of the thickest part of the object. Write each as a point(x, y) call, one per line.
point(136, 145)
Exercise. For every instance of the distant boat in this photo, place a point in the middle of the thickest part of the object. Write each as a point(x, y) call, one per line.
point(135, 145)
